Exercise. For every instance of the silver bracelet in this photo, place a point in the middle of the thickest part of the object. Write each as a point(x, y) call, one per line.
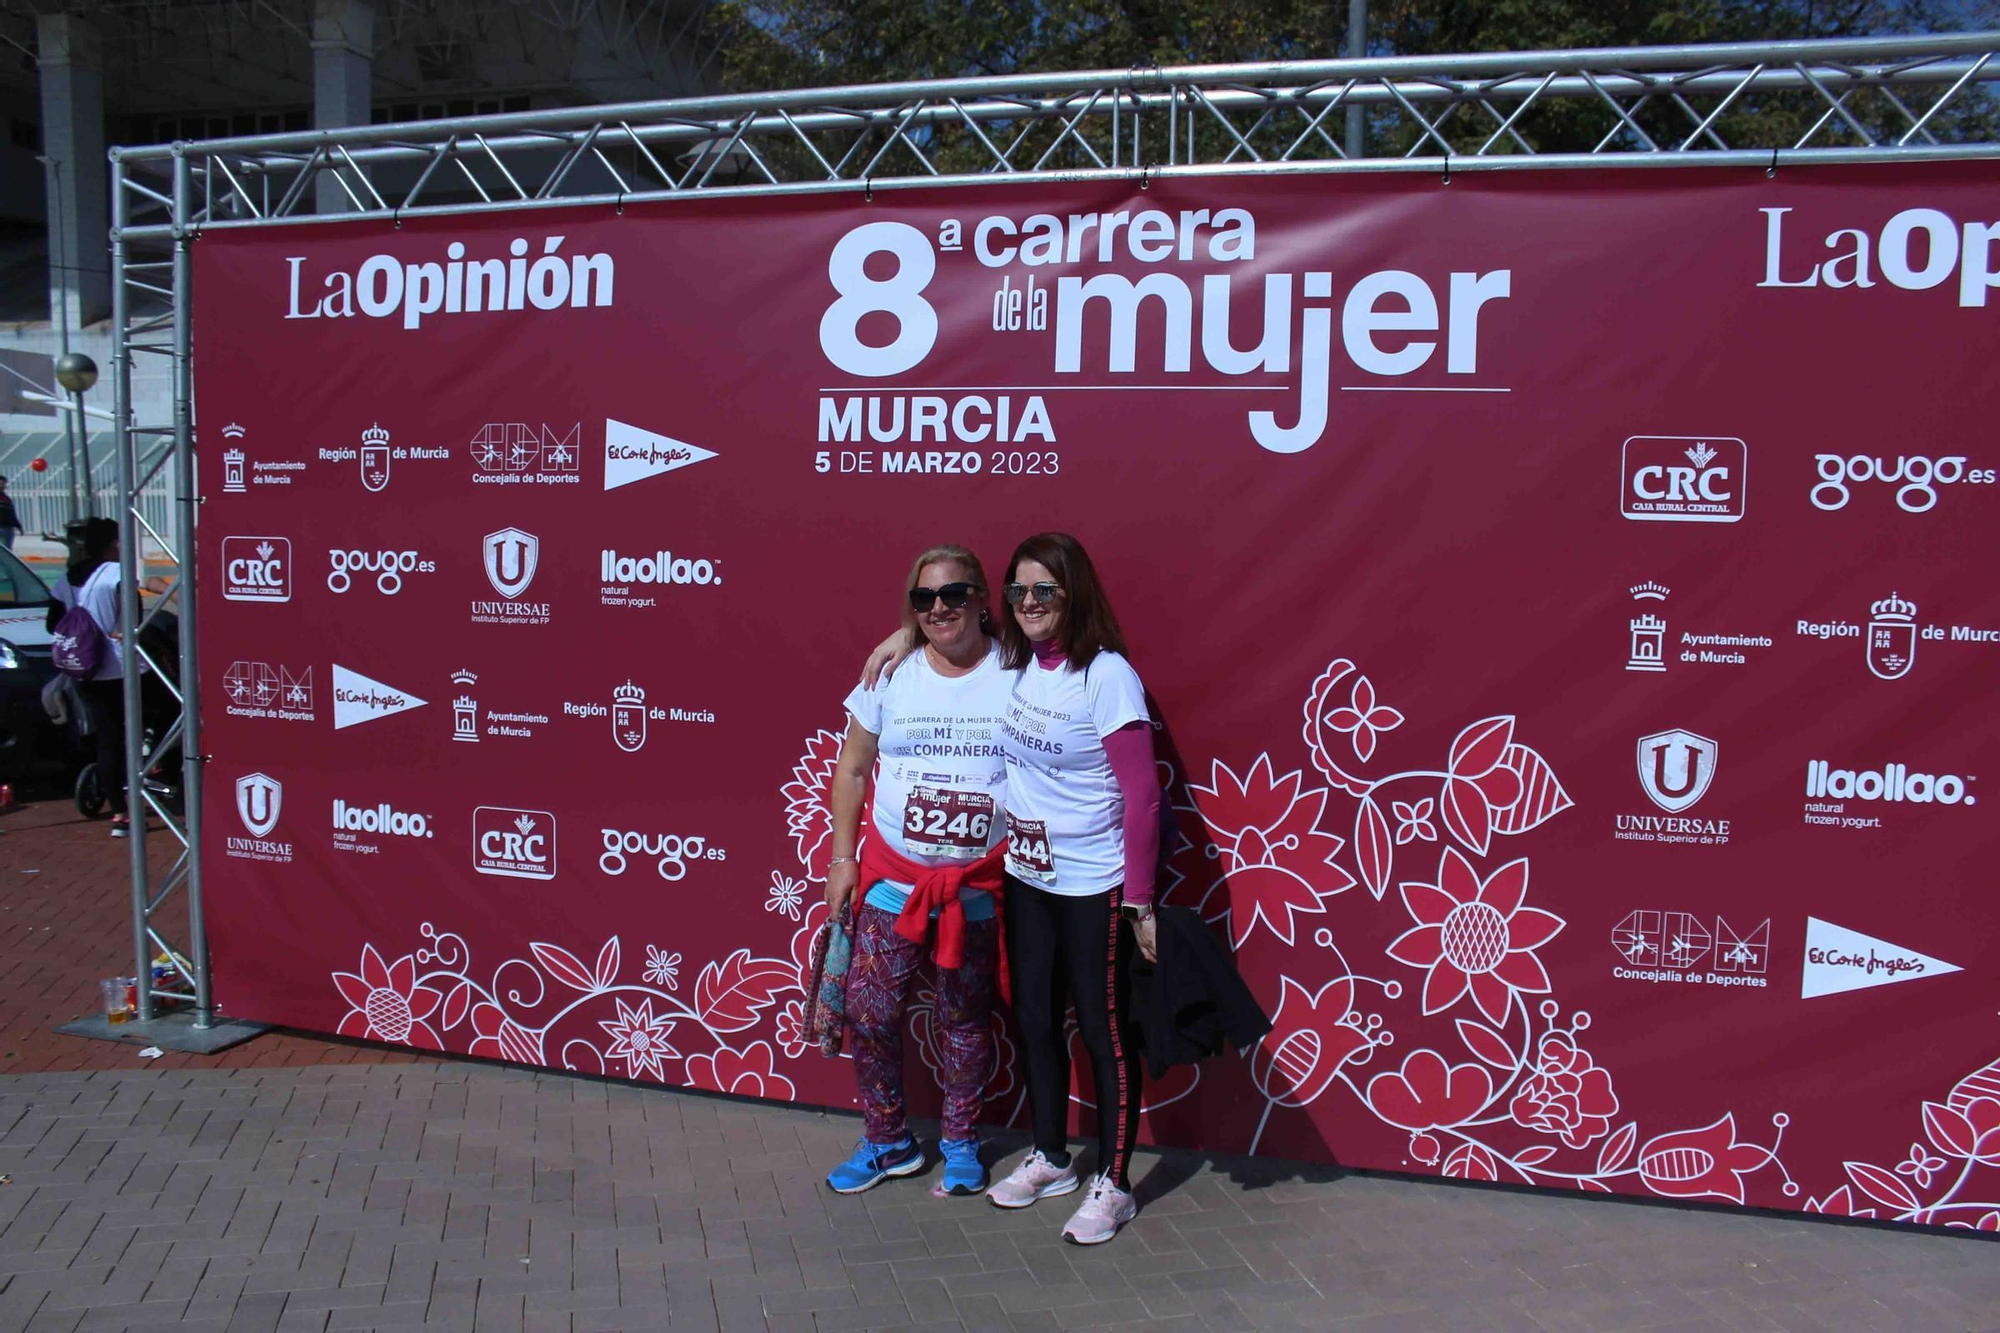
point(845, 861)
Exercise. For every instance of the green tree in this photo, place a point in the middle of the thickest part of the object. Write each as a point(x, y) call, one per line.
point(779, 44)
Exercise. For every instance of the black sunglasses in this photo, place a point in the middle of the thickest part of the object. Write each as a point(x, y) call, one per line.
point(1045, 593)
point(954, 596)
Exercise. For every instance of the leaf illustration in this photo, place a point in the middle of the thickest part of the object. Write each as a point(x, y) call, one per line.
point(1950, 1131)
point(1487, 1044)
point(1466, 814)
point(457, 1005)
point(1374, 849)
point(564, 967)
point(1478, 749)
point(1585, 1182)
point(1471, 1161)
point(1536, 1155)
point(1542, 797)
point(729, 995)
point(1881, 1186)
point(1617, 1148)
point(607, 963)
point(518, 1045)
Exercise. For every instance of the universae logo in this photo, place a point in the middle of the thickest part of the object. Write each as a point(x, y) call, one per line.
point(1676, 767)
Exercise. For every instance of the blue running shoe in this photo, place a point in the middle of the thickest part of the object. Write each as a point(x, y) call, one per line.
point(963, 1171)
point(873, 1163)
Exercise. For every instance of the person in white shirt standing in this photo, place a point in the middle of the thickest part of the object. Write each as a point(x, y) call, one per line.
point(1083, 831)
point(93, 584)
point(930, 861)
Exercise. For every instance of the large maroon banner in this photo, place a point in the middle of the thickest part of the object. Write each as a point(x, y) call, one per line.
point(1568, 601)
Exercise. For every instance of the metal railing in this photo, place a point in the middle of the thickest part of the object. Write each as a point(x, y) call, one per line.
point(1752, 105)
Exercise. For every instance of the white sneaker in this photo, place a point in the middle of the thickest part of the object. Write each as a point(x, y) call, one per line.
point(1106, 1209)
point(1035, 1178)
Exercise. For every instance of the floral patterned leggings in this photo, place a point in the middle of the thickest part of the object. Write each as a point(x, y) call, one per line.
point(959, 1020)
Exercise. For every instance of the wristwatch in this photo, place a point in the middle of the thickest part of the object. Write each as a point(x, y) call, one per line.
point(1139, 911)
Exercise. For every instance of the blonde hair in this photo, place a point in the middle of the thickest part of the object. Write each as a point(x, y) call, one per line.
point(937, 555)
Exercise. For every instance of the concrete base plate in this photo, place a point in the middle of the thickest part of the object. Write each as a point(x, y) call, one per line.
point(170, 1032)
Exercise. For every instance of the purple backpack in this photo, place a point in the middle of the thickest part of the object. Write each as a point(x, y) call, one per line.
point(77, 645)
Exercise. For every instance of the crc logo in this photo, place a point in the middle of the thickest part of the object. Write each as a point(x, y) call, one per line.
point(1675, 768)
point(511, 556)
point(520, 844)
point(1683, 479)
point(256, 569)
point(672, 852)
point(1915, 477)
point(388, 567)
point(259, 798)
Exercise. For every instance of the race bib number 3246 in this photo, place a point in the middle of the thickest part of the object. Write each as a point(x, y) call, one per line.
point(938, 821)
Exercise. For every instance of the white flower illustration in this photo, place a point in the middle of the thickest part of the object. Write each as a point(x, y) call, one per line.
point(787, 896)
point(662, 968)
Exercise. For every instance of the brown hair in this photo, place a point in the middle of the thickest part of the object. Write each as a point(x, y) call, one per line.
point(1088, 626)
point(946, 554)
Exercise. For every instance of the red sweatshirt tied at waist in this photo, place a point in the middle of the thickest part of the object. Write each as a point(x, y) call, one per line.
point(937, 889)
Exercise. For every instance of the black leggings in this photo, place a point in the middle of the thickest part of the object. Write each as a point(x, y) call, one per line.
point(106, 701)
point(1063, 950)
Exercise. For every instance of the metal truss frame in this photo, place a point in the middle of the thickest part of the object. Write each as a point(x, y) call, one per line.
point(1750, 105)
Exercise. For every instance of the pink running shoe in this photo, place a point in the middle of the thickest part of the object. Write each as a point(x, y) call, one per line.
point(1104, 1210)
point(1035, 1178)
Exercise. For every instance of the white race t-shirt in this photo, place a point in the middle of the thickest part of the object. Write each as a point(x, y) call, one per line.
point(940, 789)
point(1065, 814)
point(99, 598)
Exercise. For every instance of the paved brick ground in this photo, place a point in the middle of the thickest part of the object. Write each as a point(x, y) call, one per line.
point(452, 1196)
point(296, 1184)
point(66, 921)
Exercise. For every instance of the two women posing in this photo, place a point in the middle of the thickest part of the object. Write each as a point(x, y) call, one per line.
point(1035, 731)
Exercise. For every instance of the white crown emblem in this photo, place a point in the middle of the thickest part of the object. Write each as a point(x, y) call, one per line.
point(464, 678)
point(232, 431)
point(1701, 455)
point(1895, 608)
point(375, 435)
point(1650, 591)
point(628, 693)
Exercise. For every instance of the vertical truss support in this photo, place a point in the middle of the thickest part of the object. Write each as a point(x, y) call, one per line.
point(153, 212)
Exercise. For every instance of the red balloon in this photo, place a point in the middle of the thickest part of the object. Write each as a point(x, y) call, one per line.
point(39, 465)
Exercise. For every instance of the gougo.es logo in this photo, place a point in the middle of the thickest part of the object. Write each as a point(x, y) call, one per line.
point(670, 852)
point(1915, 477)
point(388, 567)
